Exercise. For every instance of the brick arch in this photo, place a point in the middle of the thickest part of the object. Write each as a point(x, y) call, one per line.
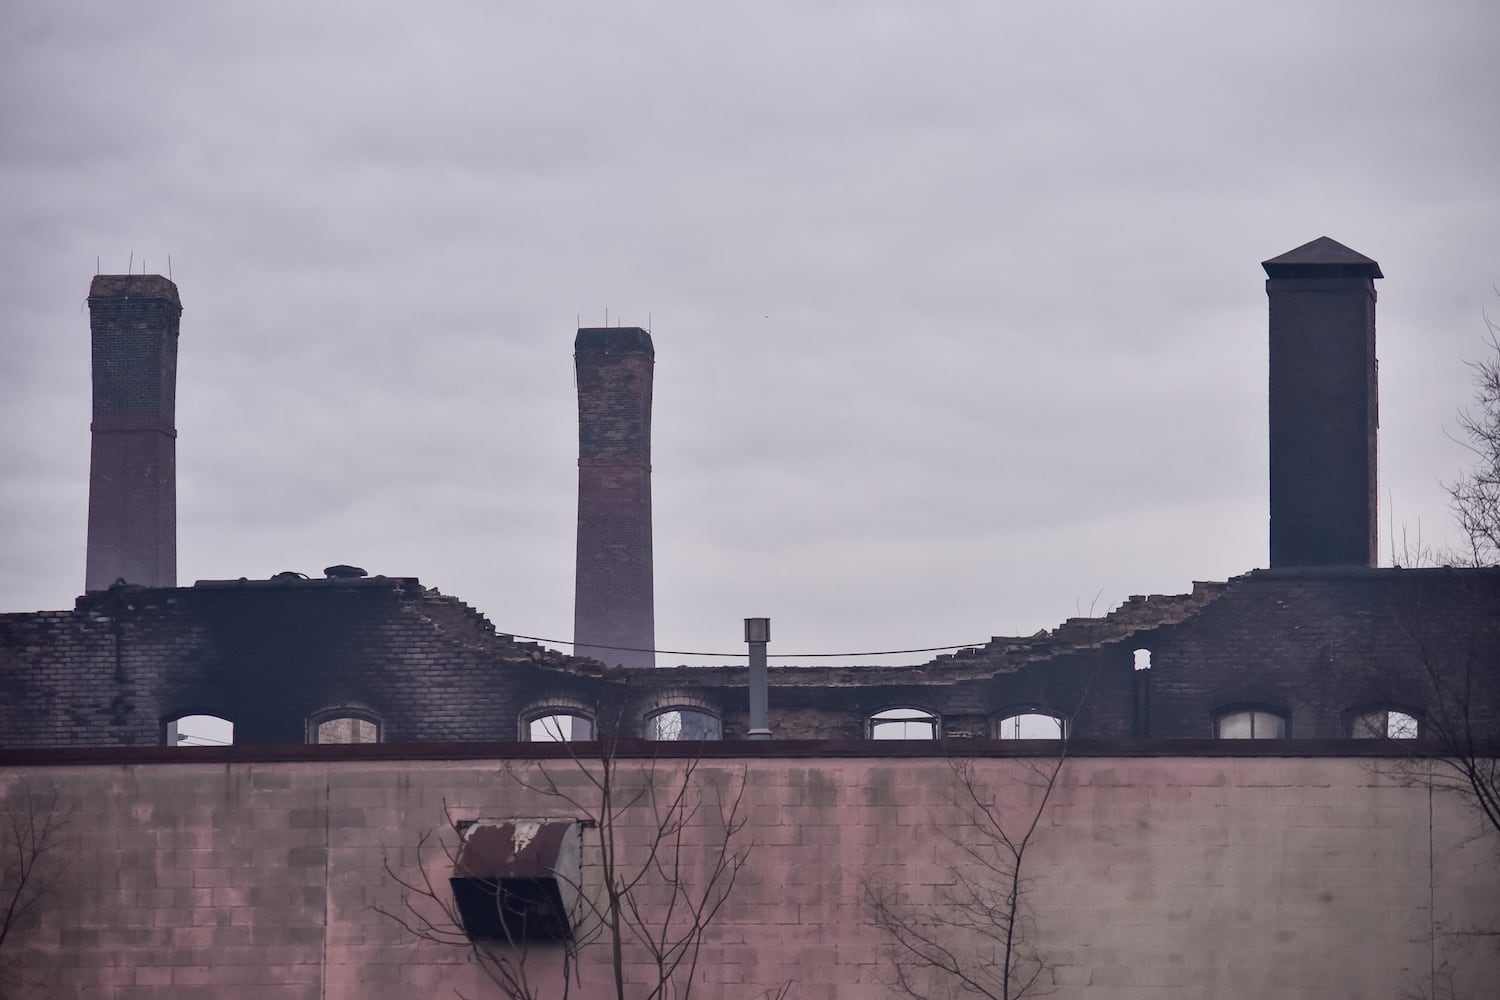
point(870, 721)
point(1274, 708)
point(999, 717)
point(359, 711)
point(553, 705)
point(675, 699)
point(1357, 715)
point(194, 709)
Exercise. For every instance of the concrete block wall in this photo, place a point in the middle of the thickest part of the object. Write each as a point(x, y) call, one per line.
point(1149, 877)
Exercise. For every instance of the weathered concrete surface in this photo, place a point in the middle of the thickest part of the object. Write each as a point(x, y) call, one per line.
point(1156, 877)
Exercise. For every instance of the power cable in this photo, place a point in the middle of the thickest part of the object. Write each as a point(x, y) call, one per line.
point(202, 741)
point(798, 656)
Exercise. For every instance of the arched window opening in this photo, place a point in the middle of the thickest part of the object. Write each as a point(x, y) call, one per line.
point(1250, 724)
point(1385, 724)
point(199, 731)
point(1142, 659)
point(904, 724)
point(683, 724)
point(344, 728)
point(1030, 726)
point(558, 727)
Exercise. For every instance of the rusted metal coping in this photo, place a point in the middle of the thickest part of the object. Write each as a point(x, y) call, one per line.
point(514, 848)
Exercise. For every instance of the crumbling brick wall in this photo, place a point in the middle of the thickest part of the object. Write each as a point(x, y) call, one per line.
point(1316, 645)
point(268, 656)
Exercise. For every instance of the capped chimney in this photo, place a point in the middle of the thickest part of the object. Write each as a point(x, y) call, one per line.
point(1323, 406)
point(133, 459)
point(613, 610)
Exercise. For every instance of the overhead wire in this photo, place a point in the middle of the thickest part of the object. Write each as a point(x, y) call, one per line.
point(200, 741)
point(797, 656)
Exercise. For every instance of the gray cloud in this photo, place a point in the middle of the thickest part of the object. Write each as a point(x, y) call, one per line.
point(958, 310)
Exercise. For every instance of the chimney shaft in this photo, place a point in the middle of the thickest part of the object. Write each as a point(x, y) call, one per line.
point(132, 532)
point(1323, 406)
point(613, 601)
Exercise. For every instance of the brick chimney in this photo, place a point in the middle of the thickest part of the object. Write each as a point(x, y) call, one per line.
point(613, 601)
point(1323, 406)
point(133, 460)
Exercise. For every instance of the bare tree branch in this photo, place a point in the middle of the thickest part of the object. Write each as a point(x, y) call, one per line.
point(1456, 691)
point(975, 935)
point(1475, 495)
point(428, 912)
point(670, 845)
point(33, 841)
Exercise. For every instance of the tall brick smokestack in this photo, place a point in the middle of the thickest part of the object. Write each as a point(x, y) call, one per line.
point(613, 601)
point(133, 460)
point(1323, 406)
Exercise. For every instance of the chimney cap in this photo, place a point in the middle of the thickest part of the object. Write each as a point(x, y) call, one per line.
point(1322, 258)
point(614, 339)
point(134, 286)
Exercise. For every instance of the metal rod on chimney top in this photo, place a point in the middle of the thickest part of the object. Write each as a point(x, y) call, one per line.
point(757, 634)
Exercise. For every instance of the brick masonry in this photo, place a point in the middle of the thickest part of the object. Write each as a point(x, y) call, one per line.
point(1199, 871)
point(1317, 646)
point(1323, 406)
point(614, 603)
point(132, 530)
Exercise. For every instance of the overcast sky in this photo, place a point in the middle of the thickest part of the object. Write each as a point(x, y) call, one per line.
point(959, 317)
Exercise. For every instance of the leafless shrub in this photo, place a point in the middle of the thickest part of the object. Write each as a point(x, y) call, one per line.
point(668, 847)
point(1475, 495)
point(977, 937)
point(429, 913)
point(33, 839)
point(1454, 687)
